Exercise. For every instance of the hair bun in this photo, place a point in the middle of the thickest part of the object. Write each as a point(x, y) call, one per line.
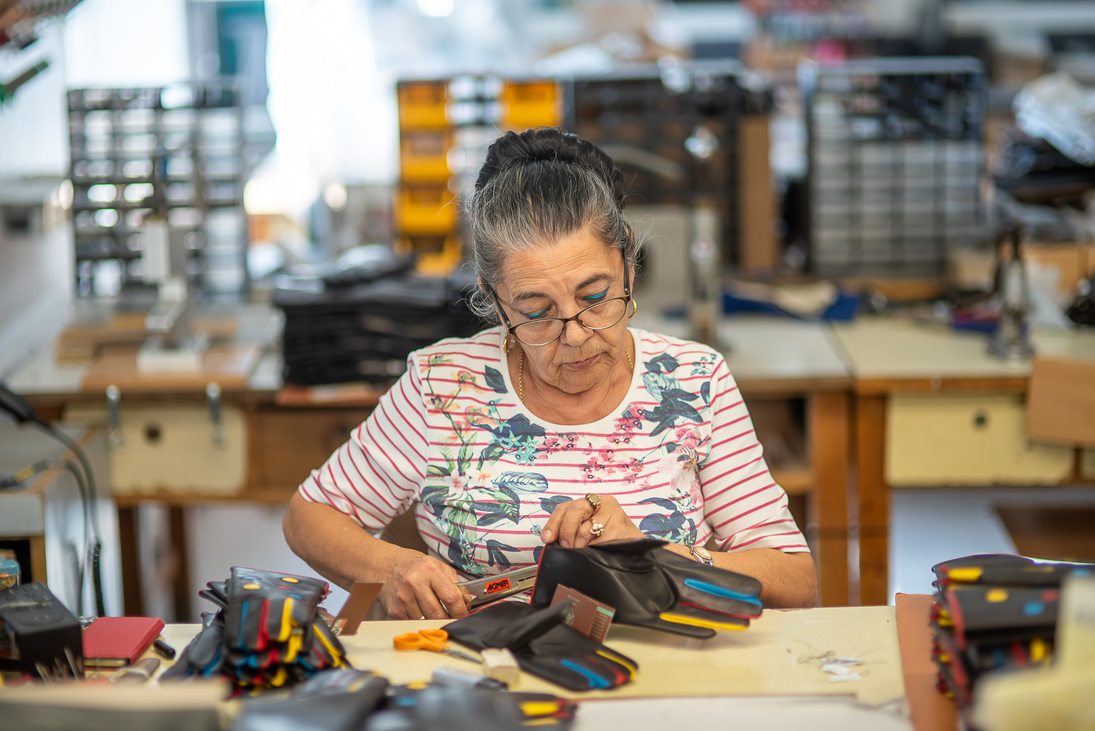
point(550, 145)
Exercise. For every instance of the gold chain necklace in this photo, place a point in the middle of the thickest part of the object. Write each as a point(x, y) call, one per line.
point(521, 371)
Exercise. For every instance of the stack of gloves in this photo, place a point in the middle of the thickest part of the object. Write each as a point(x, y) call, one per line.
point(544, 645)
point(993, 612)
point(646, 585)
point(353, 700)
point(267, 632)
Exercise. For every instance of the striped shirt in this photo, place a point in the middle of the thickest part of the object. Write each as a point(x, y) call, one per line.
point(680, 455)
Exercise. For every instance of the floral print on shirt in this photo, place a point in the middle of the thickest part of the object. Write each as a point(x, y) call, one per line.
point(487, 486)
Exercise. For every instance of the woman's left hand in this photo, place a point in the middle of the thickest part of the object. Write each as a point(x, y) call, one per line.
point(571, 523)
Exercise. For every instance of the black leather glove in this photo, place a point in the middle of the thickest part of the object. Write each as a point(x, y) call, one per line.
point(1002, 569)
point(336, 700)
point(216, 592)
point(270, 631)
point(204, 656)
point(649, 586)
point(454, 708)
point(544, 645)
point(265, 607)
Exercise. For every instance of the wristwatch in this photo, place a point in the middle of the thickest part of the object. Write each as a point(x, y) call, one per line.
point(701, 554)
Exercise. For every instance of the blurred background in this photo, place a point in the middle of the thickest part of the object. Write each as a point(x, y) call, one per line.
point(241, 215)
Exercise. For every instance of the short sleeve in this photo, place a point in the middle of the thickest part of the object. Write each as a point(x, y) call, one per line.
point(743, 505)
point(378, 472)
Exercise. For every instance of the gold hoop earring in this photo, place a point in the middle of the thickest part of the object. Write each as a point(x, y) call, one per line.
point(507, 345)
point(634, 309)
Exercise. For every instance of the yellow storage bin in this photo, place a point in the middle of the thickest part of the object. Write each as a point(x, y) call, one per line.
point(531, 104)
point(438, 255)
point(422, 104)
point(426, 210)
point(424, 156)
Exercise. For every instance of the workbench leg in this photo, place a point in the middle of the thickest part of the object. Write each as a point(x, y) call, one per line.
point(874, 500)
point(828, 417)
point(38, 558)
point(128, 540)
point(181, 583)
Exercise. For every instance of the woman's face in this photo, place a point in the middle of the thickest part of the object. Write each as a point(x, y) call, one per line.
point(560, 280)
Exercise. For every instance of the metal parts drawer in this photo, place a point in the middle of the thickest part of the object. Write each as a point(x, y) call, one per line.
point(966, 440)
point(174, 448)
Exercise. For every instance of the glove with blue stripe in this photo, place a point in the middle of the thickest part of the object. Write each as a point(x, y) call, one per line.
point(265, 607)
point(204, 656)
point(544, 645)
point(651, 587)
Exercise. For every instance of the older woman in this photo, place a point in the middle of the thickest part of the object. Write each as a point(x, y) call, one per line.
point(560, 424)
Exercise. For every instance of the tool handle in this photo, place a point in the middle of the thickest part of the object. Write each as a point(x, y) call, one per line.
point(418, 641)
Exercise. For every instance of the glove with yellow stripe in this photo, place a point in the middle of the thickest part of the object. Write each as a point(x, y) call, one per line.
point(273, 634)
point(651, 587)
point(265, 607)
point(544, 645)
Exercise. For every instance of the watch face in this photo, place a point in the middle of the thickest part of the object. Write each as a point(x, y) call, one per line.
point(702, 552)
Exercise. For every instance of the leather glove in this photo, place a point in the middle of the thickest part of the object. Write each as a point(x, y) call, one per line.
point(308, 651)
point(651, 587)
point(271, 633)
point(340, 703)
point(204, 656)
point(544, 645)
point(216, 592)
point(264, 607)
point(1006, 570)
point(455, 708)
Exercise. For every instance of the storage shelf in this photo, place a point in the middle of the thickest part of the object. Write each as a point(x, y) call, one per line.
point(185, 138)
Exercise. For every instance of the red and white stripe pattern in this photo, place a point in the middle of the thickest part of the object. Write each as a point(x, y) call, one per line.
point(431, 428)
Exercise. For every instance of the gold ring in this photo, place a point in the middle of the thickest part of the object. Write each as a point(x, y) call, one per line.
point(596, 528)
point(594, 502)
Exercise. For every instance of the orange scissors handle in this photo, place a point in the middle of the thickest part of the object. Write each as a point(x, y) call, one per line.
point(433, 640)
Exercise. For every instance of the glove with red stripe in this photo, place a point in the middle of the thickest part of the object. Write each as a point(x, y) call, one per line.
point(649, 586)
point(544, 645)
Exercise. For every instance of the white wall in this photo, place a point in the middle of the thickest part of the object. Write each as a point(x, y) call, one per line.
point(126, 43)
point(36, 281)
point(33, 133)
point(223, 536)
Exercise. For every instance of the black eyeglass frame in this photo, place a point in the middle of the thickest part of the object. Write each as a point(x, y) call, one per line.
point(512, 329)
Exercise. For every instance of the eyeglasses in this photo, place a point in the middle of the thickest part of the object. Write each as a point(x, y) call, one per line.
point(547, 330)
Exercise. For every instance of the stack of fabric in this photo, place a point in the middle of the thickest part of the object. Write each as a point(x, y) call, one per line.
point(267, 633)
point(344, 330)
point(993, 612)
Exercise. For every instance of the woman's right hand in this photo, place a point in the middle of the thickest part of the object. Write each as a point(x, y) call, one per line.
point(421, 587)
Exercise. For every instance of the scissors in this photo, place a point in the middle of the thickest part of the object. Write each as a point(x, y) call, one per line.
point(434, 640)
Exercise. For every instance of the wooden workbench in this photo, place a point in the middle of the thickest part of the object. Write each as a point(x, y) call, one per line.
point(765, 677)
point(891, 360)
point(778, 655)
point(280, 436)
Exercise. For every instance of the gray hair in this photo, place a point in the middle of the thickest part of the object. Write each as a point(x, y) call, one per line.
point(536, 203)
